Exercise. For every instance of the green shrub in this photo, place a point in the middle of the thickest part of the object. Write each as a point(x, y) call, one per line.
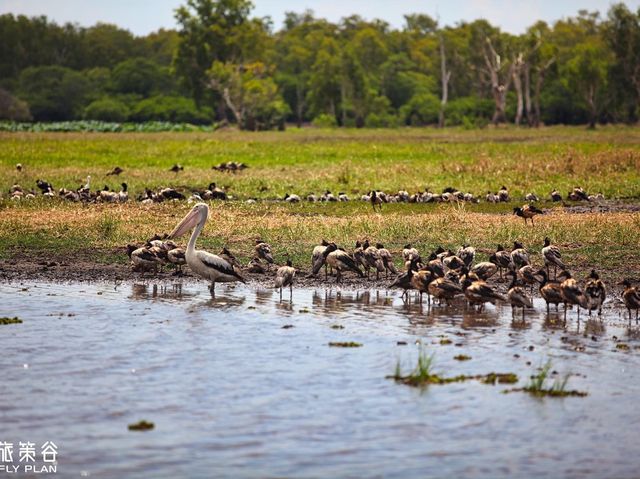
point(325, 121)
point(170, 108)
point(106, 109)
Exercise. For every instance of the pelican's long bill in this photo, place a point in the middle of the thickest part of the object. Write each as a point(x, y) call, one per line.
point(188, 223)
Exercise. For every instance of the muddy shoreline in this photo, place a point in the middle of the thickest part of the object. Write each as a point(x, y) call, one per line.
point(83, 269)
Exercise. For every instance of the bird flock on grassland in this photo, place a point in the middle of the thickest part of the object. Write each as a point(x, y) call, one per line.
point(213, 192)
point(443, 275)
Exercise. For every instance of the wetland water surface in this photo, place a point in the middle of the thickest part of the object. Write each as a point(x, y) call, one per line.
point(234, 393)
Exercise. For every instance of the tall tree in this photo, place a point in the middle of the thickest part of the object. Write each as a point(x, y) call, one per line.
point(206, 31)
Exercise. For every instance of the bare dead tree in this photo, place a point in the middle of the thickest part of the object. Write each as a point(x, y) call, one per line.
point(499, 87)
point(518, 64)
point(445, 76)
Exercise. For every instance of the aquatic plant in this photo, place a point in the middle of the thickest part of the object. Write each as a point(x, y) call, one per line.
point(141, 426)
point(462, 357)
point(345, 344)
point(6, 320)
point(538, 385)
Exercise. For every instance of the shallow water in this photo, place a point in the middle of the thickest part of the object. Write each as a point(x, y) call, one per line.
point(234, 394)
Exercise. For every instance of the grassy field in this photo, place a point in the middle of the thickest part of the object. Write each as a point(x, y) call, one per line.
point(353, 161)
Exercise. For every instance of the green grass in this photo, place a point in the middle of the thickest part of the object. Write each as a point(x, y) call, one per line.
point(312, 160)
point(352, 161)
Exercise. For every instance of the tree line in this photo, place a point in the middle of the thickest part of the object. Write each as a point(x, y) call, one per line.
point(222, 64)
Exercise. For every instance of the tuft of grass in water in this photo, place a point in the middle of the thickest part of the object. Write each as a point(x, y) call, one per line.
point(538, 385)
point(141, 426)
point(424, 375)
point(14, 320)
point(345, 344)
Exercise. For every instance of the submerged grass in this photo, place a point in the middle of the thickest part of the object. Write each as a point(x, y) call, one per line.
point(6, 320)
point(423, 374)
point(538, 385)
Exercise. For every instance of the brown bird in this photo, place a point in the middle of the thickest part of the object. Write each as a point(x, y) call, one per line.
point(478, 292)
point(572, 293)
point(517, 296)
point(387, 260)
point(255, 266)
point(527, 212)
point(485, 270)
point(263, 251)
point(375, 199)
point(552, 256)
point(228, 256)
point(341, 261)
point(372, 259)
point(631, 297)
point(403, 280)
point(420, 280)
point(595, 291)
point(115, 172)
point(502, 259)
point(284, 278)
point(318, 259)
point(519, 256)
point(444, 288)
point(550, 290)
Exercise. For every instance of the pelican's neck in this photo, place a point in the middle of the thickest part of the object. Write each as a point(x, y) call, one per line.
point(191, 247)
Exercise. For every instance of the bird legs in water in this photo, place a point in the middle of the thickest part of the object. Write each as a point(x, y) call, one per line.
point(212, 288)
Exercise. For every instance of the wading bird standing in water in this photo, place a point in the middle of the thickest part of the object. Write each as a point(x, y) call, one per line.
point(208, 266)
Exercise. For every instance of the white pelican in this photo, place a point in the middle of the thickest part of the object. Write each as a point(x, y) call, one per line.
point(204, 264)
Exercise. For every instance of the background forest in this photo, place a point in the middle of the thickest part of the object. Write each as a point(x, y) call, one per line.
point(223, 65)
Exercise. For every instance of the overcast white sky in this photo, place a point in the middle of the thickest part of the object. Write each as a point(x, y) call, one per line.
point(144, 16)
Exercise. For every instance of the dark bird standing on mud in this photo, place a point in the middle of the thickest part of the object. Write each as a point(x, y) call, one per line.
point(552, 256)
point(555, 196)
point(318, 259)
point(527, 212)
point(595, 292)
point(387, 260)
point(478, 292)
point(517, 296)
point(519, 256)
point(502, 259)
point(341, 261)
point(631, 297)
point(263, 251)
point(550, 291)
point(572, 293)
point(284, 277)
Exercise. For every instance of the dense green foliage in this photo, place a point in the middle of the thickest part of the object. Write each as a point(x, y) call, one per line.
point(223, 65)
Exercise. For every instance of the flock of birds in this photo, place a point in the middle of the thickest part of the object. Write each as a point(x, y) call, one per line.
point(213, 192)
point(443, 274)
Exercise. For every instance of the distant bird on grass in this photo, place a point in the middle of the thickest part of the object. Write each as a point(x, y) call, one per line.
point(19, 167)
point(527, 212)
point(176, 168)
point(115, 172)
